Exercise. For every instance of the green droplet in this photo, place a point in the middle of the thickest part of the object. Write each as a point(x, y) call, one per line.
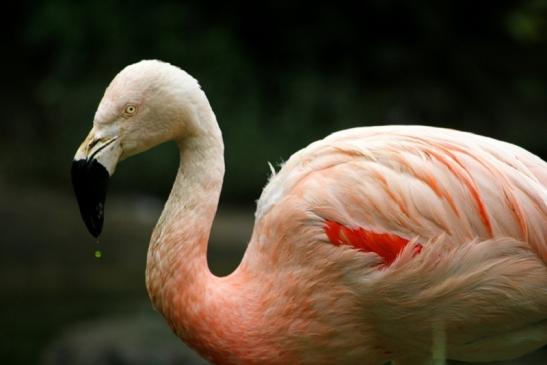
point(98, 254)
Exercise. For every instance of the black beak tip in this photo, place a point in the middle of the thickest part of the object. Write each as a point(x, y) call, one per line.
point(90, 182)
point(94, 225)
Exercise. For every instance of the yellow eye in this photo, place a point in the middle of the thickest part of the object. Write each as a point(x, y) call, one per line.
point(130, 110)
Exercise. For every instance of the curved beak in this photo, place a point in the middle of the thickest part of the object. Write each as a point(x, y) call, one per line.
point(94, 163)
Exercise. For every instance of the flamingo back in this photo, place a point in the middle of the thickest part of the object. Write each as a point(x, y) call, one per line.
point(396, 237)
point(418, 183)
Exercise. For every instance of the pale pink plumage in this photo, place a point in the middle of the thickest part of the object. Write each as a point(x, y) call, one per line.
point(468, 213)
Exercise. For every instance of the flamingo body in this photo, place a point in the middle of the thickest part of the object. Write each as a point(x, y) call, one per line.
point(403, 243)
point(469, 204)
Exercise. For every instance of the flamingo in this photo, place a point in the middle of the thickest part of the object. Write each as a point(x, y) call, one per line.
point(409, 244)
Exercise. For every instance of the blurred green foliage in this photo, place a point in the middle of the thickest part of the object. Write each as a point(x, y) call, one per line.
point(528, 23)
point(278, 76)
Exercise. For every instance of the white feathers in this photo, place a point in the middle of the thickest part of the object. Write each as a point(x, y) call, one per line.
point(272, 170)
point(419, 181)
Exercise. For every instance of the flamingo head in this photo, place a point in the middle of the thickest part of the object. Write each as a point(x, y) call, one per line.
point(147, 103)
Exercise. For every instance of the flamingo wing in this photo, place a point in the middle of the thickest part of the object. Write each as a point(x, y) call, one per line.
point(402, 234)
point(378, 188)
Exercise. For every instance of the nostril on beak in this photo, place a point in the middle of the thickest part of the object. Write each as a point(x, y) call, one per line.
point(92, 144)
point(100, 148)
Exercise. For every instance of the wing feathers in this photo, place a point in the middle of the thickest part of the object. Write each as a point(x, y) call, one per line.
point(386, 245)
point(412, 181)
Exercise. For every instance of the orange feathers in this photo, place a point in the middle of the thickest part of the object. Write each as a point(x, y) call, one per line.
point(386, 245)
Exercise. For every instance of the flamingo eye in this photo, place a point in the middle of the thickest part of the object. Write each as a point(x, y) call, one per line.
point(130, 110)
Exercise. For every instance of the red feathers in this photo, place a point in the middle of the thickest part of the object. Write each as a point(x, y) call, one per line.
point(386, 245)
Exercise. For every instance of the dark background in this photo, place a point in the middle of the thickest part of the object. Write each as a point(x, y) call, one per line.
point(278, 77)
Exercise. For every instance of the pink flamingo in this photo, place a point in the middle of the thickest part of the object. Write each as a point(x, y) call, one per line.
point(404, 243)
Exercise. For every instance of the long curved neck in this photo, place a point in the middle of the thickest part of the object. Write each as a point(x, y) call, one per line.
point(178, 247)
point(177, 255)
point(197, 305)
